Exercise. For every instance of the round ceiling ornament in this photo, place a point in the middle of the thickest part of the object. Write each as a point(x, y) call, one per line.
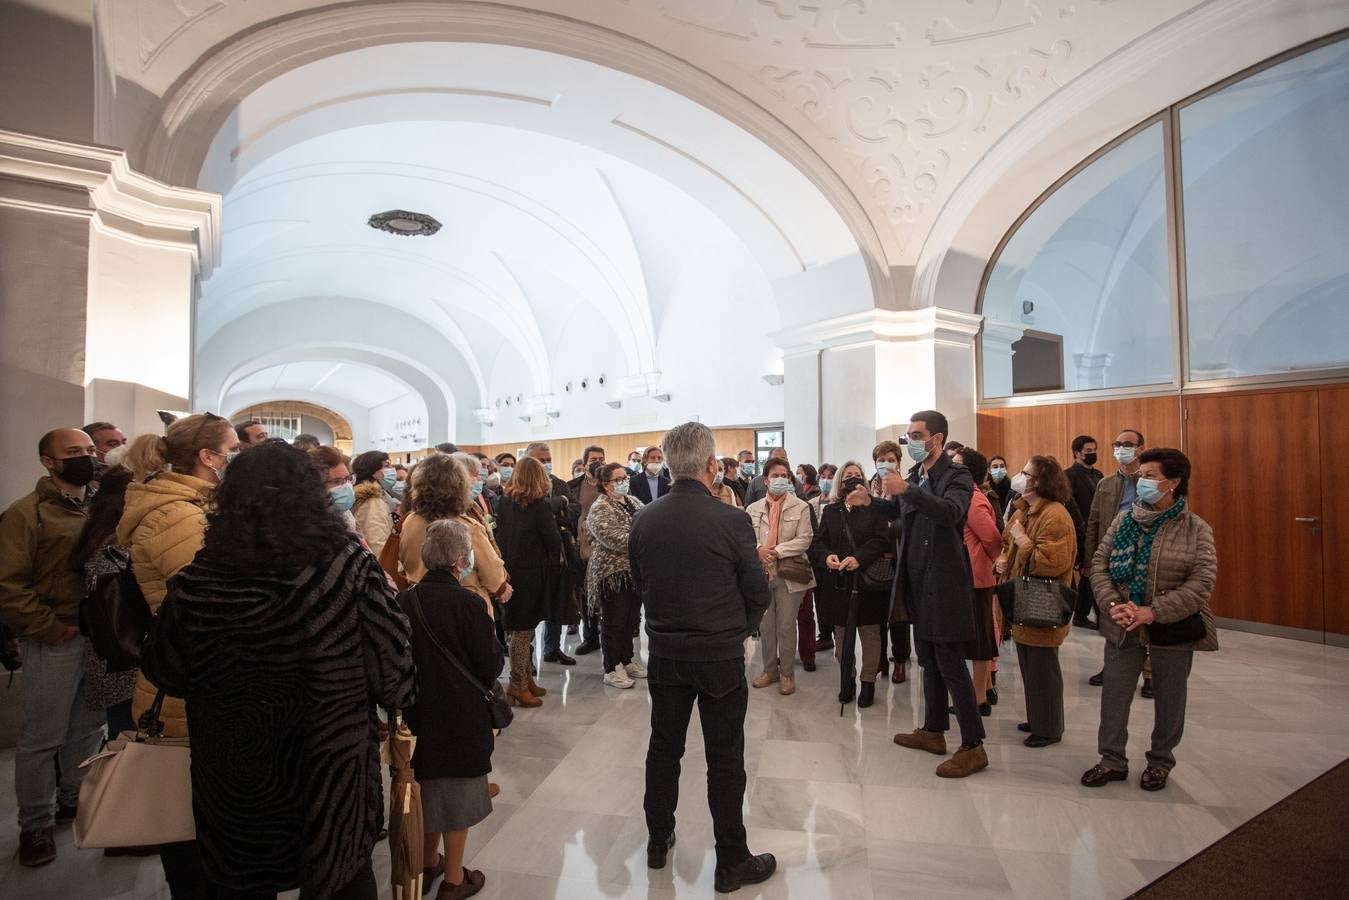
point(402, 222)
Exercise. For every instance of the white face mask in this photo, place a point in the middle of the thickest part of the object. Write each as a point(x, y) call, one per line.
point(1125, 455)
point(653, 469)
point(1019, 482)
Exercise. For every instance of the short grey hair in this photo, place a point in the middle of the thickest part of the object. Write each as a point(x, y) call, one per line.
point(538, 445)
point(471, 463)
point(836, 489)
point(447, 542)
point(687, 449)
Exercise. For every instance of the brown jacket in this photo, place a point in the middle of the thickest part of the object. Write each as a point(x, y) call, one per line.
point(39, 593)
point(1104, 508)
point(489, 572)
point(1052, 554)
point(1181, 573)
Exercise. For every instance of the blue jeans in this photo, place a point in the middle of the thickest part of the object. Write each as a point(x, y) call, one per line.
point(552, 637)
point(56, 722)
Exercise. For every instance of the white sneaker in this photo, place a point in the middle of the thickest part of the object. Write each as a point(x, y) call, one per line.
point(635, 669)
point(618, 678)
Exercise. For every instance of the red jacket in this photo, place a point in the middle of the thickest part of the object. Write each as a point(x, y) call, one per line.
point(982, 540)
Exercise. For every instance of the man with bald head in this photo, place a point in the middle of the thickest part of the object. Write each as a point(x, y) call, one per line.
point(40, 602)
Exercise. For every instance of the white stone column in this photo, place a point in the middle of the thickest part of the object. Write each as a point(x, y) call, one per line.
point(1091, 370)
point(998, 338)
point(802, 426)
point(98, 266)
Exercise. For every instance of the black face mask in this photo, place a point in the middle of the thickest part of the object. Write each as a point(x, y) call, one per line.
point(78, 470)
point(1089, 458)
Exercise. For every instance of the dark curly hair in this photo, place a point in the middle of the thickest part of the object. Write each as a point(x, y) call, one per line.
point(367, 464)
point(273, 514)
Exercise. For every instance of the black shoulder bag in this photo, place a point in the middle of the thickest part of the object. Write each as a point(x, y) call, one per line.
point(880, 575)
point(114, 614)
point(498, 708)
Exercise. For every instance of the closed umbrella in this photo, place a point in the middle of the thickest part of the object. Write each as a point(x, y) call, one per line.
point(847, 653)
point(406, 833)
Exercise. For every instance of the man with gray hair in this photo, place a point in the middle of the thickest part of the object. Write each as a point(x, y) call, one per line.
point(695, 567)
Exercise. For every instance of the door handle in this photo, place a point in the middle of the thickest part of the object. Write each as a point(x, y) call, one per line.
point(1313, 521)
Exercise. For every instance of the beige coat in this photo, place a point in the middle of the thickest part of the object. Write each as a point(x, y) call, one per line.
point(1052, 553)
point(164, 523)
point(795, 533)
point(1181, 574)
point(489, 572)
point(374, 522)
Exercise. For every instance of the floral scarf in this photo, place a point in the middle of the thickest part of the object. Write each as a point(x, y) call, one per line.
point(1132, 550)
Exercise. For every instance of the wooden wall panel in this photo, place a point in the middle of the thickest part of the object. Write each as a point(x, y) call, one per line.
point(1019, 433)
point(730, 441)
point(1334, 413)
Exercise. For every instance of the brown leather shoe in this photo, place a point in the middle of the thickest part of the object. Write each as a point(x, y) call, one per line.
point(36, 847)
point(472, 883)
point(787, 686)
point(493, 790)
point(897, 675)
point(765, 680)
point(537, 690)
point(522, 697)
point(431, 873)
point(1098, 776)
point(1154, 778)
point(965, 762)
point(932, 741)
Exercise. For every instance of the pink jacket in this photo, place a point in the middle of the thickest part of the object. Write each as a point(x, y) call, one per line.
point(982, 540)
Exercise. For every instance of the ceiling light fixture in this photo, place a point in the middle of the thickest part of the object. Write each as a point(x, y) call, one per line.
point(408, 224)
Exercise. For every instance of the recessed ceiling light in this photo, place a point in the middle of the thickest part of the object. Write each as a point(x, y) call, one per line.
point(400, 221)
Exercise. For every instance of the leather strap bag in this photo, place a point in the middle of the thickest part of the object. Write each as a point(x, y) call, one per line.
point(114, 615)
point(138, 790)
point(498, 707)
point(1186, 631)
point(1037, 602)
point(880, 575)
point(388, 559)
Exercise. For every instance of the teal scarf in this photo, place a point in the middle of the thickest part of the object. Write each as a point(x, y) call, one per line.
point(1132, 550)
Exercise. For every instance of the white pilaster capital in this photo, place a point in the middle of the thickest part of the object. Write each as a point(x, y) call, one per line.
point(119, 200)
point(934, 323)
point(1000, 336)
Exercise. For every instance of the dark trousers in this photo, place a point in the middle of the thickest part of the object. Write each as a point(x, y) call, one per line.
point(362, 887)
point(119, 719)
point(1170, 682)
point(1042, 682)
point(1086, 601)
point(619, 618)
point(944, 674)
point(805, 628)
point(593, 628)
point(183, 870)
point(720, 690)
point(901, 641)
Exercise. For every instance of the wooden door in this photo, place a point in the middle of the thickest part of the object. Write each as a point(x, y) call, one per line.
point(1257, 471)
point(1334, 414)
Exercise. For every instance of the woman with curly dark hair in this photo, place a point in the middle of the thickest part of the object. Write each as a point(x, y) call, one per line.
point(283, 637)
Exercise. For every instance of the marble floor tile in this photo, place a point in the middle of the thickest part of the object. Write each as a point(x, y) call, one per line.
point(917, 869)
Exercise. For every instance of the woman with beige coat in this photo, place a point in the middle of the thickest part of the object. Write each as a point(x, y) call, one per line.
point(1153, 575)
point(782, 524)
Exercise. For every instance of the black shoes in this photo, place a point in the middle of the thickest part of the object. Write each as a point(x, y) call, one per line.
point(572, 629)
point(1147, 694)
point(36, 848)
point(1024, 726)
point(1154, 779)
point(992, 696)
point(751, 871)
point(1086, 623)
point(1097, 680)
point(1099, 776)
point(824, 644)
point(1036, 742)
point(848, 693)
point(866, 697)
point(587, 646)
point(808, 666)
point(985, 710)
point(67, 813)
point(560, 658)
point(657, 851)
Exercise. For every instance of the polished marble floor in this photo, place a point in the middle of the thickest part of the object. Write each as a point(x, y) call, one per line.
point(849, 814)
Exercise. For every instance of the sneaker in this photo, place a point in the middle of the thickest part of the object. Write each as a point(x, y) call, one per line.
point(635, 669)
point(765, 680)
point(965, 762)
point(751, 871)
point(618, 678)
point(36, 848)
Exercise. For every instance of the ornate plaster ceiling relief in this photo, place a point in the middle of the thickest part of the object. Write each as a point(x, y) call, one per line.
point(160, 22)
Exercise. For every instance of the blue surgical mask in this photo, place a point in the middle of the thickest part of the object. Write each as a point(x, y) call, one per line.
point(747, 469)
point(548, 467)
point(465, 572)
point(718, 478)
point(621, 489)
point(997, 473)
point(917, 450)
point(1149, 490)
point(389, 479)
point(505, 473)
point(344, 497)
point(826, 485)
point(885, 467)
point(779, 485)
point(1125, 455)
point(476, 489)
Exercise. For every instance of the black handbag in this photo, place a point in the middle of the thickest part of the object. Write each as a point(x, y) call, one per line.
point(1186, 631)
point(114, 614)
point(880, 575)
point(1037, 602)
point(498, 707)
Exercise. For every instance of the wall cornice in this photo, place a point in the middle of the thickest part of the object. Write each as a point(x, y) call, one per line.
point(943, 326)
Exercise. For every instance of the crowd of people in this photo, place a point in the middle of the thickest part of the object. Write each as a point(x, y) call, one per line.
point(302, 599)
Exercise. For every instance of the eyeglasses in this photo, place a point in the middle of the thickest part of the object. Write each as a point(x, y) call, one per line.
point(618, 481)
point(338, 482)
point(1129, 444)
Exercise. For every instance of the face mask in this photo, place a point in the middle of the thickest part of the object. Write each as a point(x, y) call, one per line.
point(577, 473)
point(634, 465)
point(505, 473)
point(1150, 491)
point(718, 478)
point(548, 467)
point(465, 572)
point(747, 469)
point(825, 485)
point(78, 470)
point(917, 450)
point(621, 489)
point(1124, 455)
point(884, 468)
point(778, 485)
point(1019, 482)
point(476, 489)
point(998, 473)
point(1089, 458)
point(344, 497)
point(653, 469)
point(389, 479)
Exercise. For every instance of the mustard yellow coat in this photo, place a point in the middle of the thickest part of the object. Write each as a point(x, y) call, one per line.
point(163, 523)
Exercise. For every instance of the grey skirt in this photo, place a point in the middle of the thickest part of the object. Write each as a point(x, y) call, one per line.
point(453, 804)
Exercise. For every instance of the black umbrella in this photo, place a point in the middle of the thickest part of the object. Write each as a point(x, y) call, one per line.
point(847, 653)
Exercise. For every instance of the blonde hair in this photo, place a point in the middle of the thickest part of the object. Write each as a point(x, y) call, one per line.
point(836, 488)
point(151, 454)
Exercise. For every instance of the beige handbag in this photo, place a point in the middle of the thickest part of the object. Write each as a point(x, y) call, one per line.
point(138, 790)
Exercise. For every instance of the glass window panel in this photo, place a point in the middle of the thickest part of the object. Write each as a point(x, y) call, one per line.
point(1089, 266)
point(1266, 204)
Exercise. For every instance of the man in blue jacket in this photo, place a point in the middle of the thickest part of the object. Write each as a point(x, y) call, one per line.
point(695, 566)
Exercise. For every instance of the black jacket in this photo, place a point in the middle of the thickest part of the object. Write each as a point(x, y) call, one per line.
point(934, 578)
point(696, 569)
point(450, 717)
point(1083, 480)
point(531, 548)
point(870, 529)
point(642, 491)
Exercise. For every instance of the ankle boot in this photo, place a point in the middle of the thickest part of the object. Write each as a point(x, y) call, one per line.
point(522, 697)
point(868, 694)
point(537, 690)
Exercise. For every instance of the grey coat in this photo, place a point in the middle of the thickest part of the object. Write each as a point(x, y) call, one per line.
point(932, 527)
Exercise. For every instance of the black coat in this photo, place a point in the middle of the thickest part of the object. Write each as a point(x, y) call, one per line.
point(642, 491)
point(282, 678)
point(934, 579)
point(450, 717)
point(1083, 480)
point(871, 530)
point(531, 548)
point(697, 570)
